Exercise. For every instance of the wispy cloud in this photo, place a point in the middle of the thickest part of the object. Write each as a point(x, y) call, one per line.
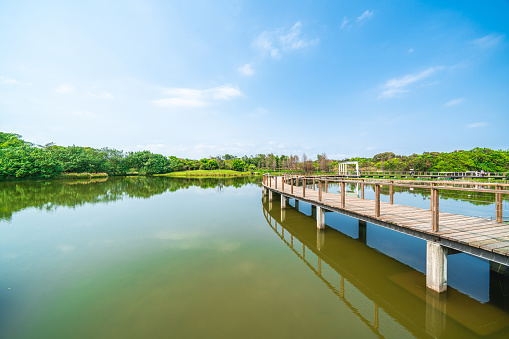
point(398, 86)
point(9, 81)
point(194, 98)
point(64, 89)
point(247, 69)
point(344, 23)
point(411, 50)
point(260, 111)
point(488, 41)
point(87, 115)
point(365, 16)
point(103, 95)
point(454, 102)
point(391, 93)
point(477, 124)
point(274, 43)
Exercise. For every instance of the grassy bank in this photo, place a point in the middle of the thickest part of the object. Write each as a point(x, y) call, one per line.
point(82, 175)
point(205, 174)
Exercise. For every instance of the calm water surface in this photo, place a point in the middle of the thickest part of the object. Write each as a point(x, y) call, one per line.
point(161, 257)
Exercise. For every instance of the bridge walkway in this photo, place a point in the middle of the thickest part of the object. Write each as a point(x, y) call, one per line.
point(487, 235)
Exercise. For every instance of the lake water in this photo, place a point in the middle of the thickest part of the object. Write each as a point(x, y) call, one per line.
point(160, 257)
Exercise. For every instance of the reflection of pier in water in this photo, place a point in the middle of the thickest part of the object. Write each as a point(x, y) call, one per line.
point(387, 295)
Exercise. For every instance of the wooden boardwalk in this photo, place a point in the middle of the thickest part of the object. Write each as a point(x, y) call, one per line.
point(483, 234)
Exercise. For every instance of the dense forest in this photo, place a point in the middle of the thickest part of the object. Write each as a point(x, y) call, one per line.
point(20, 159)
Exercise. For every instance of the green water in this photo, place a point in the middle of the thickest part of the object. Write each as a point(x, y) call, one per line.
point(162, 257)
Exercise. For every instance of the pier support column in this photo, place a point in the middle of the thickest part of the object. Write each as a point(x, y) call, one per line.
point(296, 204)
point(362, 231)
point(283, 202)
point(283, 215)
point(436, 267)
point(313, 211)
point(270, 195)
point(320, 218)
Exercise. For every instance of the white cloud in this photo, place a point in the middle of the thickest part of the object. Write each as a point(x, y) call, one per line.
point(282, 40)
point(411, 50)
point(366, 15)
point(488, 41)
point(194, 98)
point(397, 86)
point(107, 95)
point(391, 93)
point(247, 69)
point(477, 124)
point(103, 95)
point(344, 23)
point(181, 102)
point(87, 115)
point(260, 111)
point(8, 81)
point(454, 102)
point(64, 89)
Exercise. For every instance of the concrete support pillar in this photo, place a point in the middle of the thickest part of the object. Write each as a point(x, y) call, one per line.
point(296, 204)
point(436, 307)
point(320, 218)
point(270, 205)
point(363, 231)
point(313, 211)
point(283, 202)
point(270, 195)
point(436, 267)
point(320, 238)
point(283, 215)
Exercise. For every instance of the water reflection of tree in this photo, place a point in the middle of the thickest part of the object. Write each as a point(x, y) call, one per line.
point(48, 195)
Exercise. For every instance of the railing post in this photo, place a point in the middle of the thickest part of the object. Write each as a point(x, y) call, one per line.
point(435, 210)
point(270, 181)
point(499, 203)
point(319, 190)
point(391, 190)
point(283, 183)
point(313, 184)
point(275, 182)
point(362, 189)
point(343, 194)
point(377, 200)
point(326, 187)
point(291, 185)
point(431, 198)
point(303, 187)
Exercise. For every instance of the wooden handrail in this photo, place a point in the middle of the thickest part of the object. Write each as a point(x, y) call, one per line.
point(433, 186)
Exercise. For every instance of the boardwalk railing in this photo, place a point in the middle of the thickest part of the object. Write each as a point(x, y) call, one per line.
point(415, 174)
point(320, 184)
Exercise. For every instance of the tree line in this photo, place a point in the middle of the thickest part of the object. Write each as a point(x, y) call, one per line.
point(20, 159)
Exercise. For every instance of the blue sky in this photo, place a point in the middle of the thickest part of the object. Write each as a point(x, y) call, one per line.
point(205, 78)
